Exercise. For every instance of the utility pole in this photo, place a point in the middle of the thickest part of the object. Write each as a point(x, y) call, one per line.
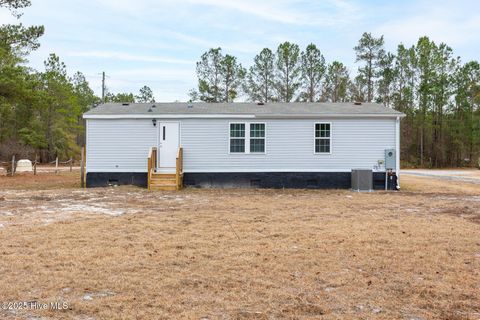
point(103, 87)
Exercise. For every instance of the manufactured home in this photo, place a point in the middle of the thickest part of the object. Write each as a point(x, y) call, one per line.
point(271, 145)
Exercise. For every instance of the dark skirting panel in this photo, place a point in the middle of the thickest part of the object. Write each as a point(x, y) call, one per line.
point(105, 179)
point(379, 181)
point(298, 180)
point(275, 180)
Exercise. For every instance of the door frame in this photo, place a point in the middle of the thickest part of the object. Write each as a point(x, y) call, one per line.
point(159, 140)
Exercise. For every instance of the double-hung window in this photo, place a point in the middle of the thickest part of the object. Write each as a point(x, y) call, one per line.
point(247, 137)
point(257, 137)
point(323, 138)
point(237, 137)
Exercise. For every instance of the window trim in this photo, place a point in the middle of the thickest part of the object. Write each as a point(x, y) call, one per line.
point(247, 138)
point(329, 138)
point(230, 138)
point(258, 138)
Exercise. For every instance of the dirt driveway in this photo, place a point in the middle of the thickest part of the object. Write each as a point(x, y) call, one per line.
point(465, 175)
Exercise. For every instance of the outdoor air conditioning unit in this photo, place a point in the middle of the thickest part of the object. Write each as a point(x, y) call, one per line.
point(362, 180)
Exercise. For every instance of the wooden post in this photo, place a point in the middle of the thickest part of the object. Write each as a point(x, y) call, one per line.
point(149, 167)
point(56, 165)
point(71, 164)
point(82, 168)
point(13, 165)
point(35, 165)
point(179, 169)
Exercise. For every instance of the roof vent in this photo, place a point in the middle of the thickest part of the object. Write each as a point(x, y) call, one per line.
point(260, 103)
point(357, 103)
point(125, 104)
point(154, 106)
point(150, 110)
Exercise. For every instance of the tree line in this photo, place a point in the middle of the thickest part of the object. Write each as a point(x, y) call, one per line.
point(439, 94)
point(41, 111)
point(145, 95)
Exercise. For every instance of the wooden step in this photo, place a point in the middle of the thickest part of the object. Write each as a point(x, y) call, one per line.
point(163, 188)
point(163, 175)
point(162, 184)
point(162, 179)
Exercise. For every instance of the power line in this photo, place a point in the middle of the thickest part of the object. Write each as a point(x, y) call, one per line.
point(103, 87)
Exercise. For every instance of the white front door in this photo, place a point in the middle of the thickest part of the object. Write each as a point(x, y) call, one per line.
point(168, 142)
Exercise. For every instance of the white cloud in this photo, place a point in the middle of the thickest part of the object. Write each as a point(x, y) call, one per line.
point(155, 73)
point(295, 12)
point(243, 46)
point(129, 57)
point(445, 22)
point(291, 12)
point(188, 38)
point(261, 9)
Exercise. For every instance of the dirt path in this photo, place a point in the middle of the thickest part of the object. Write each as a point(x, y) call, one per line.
point(467, 175)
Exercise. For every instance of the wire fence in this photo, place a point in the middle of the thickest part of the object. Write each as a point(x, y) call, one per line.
point(11, 166)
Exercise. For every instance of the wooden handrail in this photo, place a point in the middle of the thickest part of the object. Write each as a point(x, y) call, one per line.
point(179, 168)
point(151, 164)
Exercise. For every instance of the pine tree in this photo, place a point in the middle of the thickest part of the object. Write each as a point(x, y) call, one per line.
point(219, 77)
point(232, 75)
point(386, 74)
point(209, 73)
point(313, 71)
point(288, 71)
point(370, 51)
point(145, 95)
point(259, 84)
point(336, 83)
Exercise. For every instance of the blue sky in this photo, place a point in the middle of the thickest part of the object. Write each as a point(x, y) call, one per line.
point(157, 42)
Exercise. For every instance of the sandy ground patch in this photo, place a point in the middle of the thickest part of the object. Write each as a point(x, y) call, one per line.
point(126, 253)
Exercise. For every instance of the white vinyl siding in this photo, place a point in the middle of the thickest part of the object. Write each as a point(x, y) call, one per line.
point(122, 145)
point(119, 145)
point(355, 143)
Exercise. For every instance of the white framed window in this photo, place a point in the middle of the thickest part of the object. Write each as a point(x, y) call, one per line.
point(257, 137)
point(237, 137)
point(247, 137)
point(323, 138)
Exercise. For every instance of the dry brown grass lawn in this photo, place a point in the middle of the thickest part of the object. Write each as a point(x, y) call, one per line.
point(41, 181)
point(125, 253)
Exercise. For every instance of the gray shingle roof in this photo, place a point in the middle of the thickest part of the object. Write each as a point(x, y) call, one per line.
point(277, 109)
